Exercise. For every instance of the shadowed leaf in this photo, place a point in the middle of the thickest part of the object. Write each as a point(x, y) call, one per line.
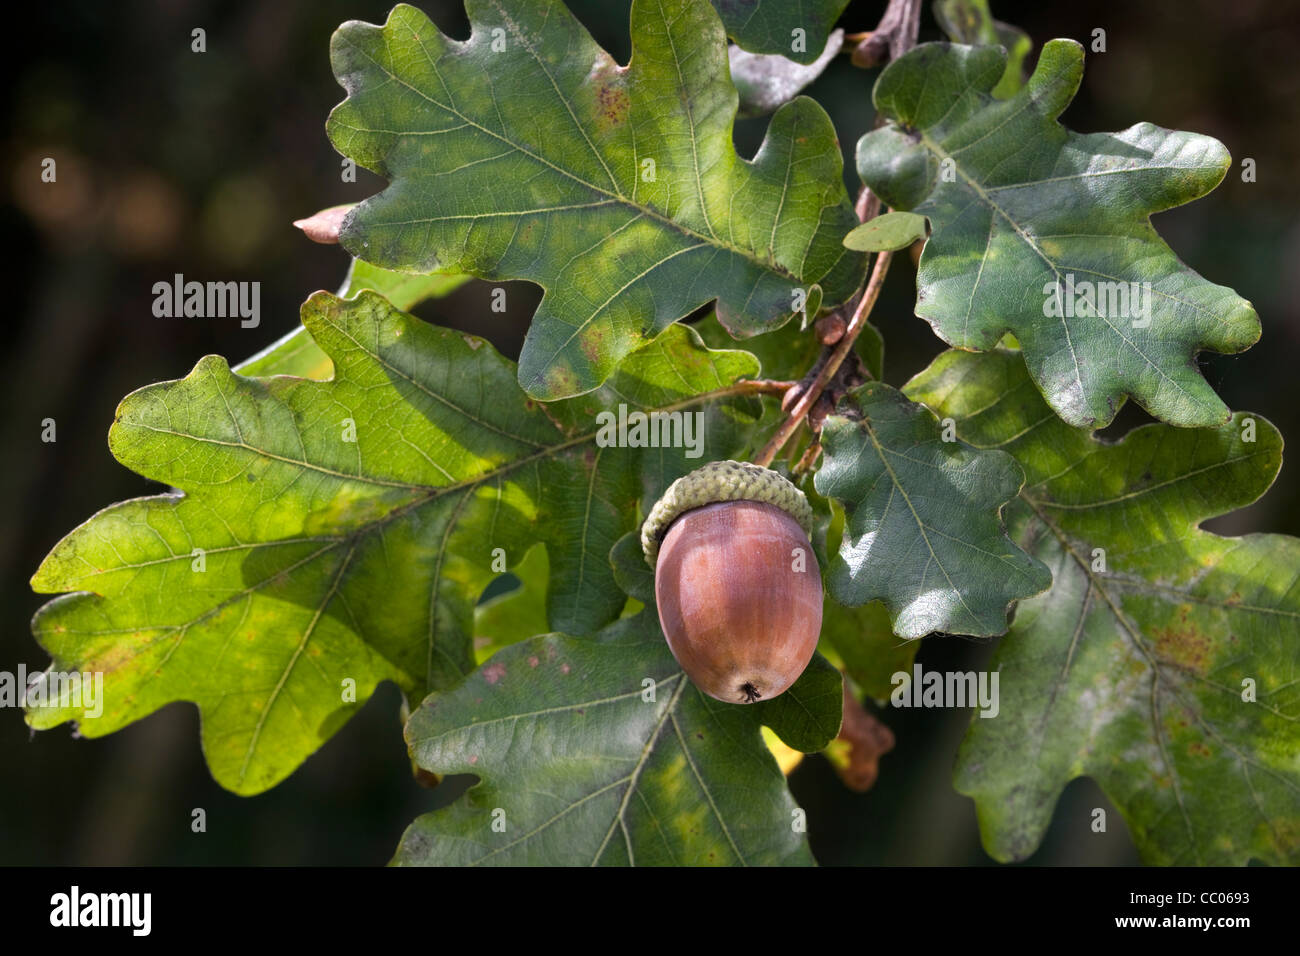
point(1165, 661)
point(626, 763)
point(923, 533)
point(769, 26)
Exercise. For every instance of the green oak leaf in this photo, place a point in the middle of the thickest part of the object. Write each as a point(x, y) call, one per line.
point(515, 614)
point(768, 26)
point(924, 534)
point(887, 233)
point(297, 352)
point(402, 289)
point(527, 152)
point(969, 21)
point(343, 531)
point(625, 762)
point(1021, 209)
point(1165, 661)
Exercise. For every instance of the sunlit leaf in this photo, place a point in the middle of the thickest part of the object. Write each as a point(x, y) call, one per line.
point(924, 534)
point(527, 152)
point(330, 535)
point(1046, 233)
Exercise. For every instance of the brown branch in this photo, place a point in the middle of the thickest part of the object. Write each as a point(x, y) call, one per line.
point(868, 204)
point(898, 28)
point(766, 386)
point(809, 457)
point(813, 392)
point(754, 386)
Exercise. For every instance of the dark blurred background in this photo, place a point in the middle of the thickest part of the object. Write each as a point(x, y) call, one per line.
point(173, 161)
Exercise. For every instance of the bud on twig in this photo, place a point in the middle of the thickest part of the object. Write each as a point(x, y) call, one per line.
point(871, 52)
point(821, 408)
point(792, 396)
point(892, 37)
point(830, 328)
point(324, 226)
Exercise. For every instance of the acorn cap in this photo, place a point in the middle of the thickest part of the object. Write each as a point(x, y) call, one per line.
point(722, 481)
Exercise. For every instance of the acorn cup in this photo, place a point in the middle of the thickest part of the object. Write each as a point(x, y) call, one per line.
point(736, 581)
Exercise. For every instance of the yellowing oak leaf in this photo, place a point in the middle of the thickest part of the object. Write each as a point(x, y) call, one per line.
point(332, 534)
point(1165, 660)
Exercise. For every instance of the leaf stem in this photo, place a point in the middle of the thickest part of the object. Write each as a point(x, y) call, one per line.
point(810, 456)
point(762, 386)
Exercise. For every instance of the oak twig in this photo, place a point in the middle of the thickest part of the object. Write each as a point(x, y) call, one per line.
point(813, 392)
point(895, 35)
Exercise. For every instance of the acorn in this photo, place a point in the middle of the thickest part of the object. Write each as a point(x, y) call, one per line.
point(736, 581)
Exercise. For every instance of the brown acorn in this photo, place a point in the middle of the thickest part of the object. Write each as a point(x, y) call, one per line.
point(736, 581)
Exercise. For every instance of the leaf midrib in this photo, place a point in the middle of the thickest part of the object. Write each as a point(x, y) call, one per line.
point(1136, 639)
point(432, 492)
point(920, 524)
point(983, 195)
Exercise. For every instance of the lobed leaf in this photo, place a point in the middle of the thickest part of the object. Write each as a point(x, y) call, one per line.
point(923, 533)
point(626, 761)
point(1165, 661)
point(342, 531)
point(527, 152)
point(600, 751)
point(1046, 233)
